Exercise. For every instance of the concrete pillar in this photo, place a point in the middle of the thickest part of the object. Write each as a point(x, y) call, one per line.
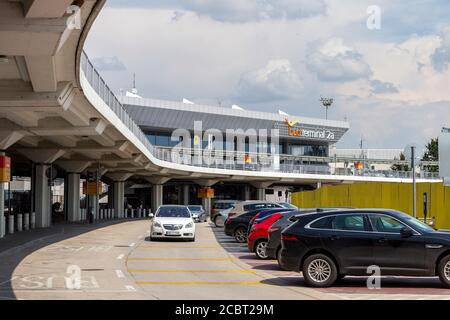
point(261, 194)
point(186, 194)
point(119, 199)
point(2, 209)
point(73, 197)
point(206, 203)
point(247, 193)
point(157, 196)
point(42, 197)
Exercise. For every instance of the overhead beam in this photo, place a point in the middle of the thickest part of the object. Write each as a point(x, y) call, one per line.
point(45, 8)
point(42, 72)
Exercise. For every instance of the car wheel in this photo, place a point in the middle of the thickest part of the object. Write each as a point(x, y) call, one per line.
point(319, 270)
point(260, 250)
point(240, 234)
point(444, 271)
point(219, 221)
point(279, 259)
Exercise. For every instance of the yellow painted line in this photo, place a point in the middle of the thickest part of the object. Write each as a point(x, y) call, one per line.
point(182, 259)
point(198, 283)
point(196, 271)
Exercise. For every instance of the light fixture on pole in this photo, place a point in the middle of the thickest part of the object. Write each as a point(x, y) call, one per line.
point(326, 102)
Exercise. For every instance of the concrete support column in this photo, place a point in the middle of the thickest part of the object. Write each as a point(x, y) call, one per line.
point(157, 196)
point(186, 194)
point(206, 203)
point(2, 210)
point(261, 189)
point(247, 193)
point(42, 197)
point(261, 194)
point(73, 200)
point(119, 199)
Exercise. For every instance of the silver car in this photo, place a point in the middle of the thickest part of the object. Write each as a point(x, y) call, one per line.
point(198, 213)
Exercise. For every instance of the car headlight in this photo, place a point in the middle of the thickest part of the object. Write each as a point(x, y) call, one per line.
point(157, 224)
point(189, 225)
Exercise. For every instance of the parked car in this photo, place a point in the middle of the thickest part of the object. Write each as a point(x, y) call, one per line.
point(264, 214)
point(218, 207)
point(198, 213)
point(236, 226)
point(258, 235)
point(287, 205)
point(273, 248)
point(330, 245)
point(250, 205)
point(171, 221)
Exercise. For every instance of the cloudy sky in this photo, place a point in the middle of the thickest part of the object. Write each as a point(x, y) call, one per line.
point(389, 77)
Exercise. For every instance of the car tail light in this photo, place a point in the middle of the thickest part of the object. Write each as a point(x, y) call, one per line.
point(288, 237)
point(228, 221)
point(231, 214)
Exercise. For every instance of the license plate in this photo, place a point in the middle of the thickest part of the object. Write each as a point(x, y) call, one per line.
point(172, 233)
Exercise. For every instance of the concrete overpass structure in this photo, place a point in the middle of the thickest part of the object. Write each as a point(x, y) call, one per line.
point(56, 112)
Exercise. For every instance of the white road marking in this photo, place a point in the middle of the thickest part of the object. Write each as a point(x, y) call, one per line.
point(132, 244)
point(120, 257)
point(130, 288)
point(120, 274)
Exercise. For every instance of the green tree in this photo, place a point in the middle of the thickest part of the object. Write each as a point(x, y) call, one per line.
point(401, 167)
point(431, 154)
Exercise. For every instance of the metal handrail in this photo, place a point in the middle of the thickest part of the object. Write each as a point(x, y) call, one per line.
point(170, 154)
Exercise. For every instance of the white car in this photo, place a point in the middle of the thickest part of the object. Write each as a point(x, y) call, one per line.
point(174, 222)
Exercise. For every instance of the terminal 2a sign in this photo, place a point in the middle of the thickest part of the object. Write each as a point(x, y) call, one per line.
point(295, 131)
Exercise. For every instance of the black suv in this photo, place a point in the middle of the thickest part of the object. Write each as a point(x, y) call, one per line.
point(330, 245)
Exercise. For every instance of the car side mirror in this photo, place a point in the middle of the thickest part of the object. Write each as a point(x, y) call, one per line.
point(151, 215)
point(406, 232)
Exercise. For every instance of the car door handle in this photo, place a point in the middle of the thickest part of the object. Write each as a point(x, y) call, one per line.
point(382, 240)
point(334, 238)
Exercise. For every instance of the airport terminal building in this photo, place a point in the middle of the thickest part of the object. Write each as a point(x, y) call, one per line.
point(301, 141)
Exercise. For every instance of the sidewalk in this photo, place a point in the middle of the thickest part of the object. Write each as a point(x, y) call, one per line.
point(20, 240)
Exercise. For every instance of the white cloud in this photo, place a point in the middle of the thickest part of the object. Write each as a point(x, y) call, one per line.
point(276, 81)
point(108, 64)
point(441, 57)
point(242, 10)
point(334, 61)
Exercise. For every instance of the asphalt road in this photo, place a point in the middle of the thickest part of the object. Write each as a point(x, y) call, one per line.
point(117, 261)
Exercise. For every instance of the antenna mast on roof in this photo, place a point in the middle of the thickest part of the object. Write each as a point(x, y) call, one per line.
point(134, 90)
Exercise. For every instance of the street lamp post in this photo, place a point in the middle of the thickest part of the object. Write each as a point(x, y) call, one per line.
point(326, 102)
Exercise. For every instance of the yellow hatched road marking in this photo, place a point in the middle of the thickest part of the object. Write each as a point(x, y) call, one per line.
point(198, 283)
point(182, 259)
point(199, 271)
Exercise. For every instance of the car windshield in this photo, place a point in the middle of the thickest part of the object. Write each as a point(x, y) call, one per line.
point(173, 212)
point(195, 208)
point(418, 225)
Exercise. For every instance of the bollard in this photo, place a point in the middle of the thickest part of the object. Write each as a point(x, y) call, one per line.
point(33, 220)
point(102, 214)
point(19, 222)
point(112, 213)
point(139, 213)
point(10, 224)
point(3, 227)
point(144, 213)
point(108, 213)
point(26, 221)
point(132, 213)
point(82, 214)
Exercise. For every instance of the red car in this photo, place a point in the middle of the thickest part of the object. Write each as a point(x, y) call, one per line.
point(259, 235)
